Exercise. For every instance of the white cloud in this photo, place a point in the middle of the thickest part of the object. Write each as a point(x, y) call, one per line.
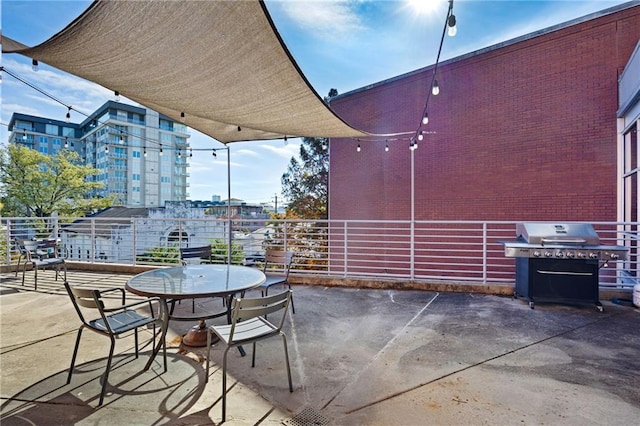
point(334, 19)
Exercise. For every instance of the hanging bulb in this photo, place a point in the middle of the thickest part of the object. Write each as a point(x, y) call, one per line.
point(116, 95)
point(66, 142)
point(358, 148)
point(451, 22)
point(239, 129)
point(161, 150)
point(24, 135)
point(190, 152)
point(69, 113)
point(121, 140)
point(106, 149)
point(179, 154)
point(182, 117)
point(420, 135)
point(213, 152)
point(34, 65)
point(435, 89)
point(144, 151)
point(386, 146)
point(425, 119)
point(285, 141)
point(324, 145)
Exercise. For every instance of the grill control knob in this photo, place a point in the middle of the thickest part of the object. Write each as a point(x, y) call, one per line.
point(559, 254)
point(613, 256)
point(571, 254)
point(582, 255)
point(593, 255)
point(536, 253)
point(548, 254)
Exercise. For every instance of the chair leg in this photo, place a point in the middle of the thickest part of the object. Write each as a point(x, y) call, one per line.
point(224, 383)
point(253, 356)
point(206, 377)
point(73, 358)
point(293, 307)
point(286, 357)
point(106, 372)
point(135, 334)
point(35, 277)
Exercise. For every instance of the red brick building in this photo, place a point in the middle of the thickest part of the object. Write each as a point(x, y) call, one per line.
point(524, 130)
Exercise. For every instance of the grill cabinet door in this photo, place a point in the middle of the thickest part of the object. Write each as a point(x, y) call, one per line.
point(558, 280)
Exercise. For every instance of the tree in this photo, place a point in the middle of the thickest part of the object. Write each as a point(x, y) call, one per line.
point(306, 182)
point(35, 184)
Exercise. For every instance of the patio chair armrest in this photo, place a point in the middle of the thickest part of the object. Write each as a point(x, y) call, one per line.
point(148, 301)
point(121, 290)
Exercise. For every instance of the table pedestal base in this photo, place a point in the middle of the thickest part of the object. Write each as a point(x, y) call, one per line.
point(197, 336)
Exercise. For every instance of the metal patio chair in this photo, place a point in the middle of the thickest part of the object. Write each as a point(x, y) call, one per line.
point(41, 255)
point(191, 256)
point(249, 325)
point(282, 259)
point(112, 322)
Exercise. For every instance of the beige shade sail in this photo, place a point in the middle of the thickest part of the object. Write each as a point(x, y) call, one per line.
point(221, 63)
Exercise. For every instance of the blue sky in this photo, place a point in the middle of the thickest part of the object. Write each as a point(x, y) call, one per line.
point(337, 44)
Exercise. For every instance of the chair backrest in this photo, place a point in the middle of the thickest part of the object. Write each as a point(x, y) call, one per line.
point(85, 298)
point(247, 308)
point(280, 258)
point(48, 248)
point(195, 254)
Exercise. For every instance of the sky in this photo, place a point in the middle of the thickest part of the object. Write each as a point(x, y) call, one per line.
point(344, 45)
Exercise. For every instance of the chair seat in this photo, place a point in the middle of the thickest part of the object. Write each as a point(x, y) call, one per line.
point(273, 280)
point(245, 330)
point(122, 322)
point(48, 261)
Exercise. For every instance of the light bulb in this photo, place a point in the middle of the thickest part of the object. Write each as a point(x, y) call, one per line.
point(161, 150)
point(69, 114)
point(386, 147)
point(451, 22)
point(116, 95)
point(121, 140)
point(190, 152)
point(214, 153)
point(106, 149)
point(420, 135)
point(34, 64)
point(425, 119)
point(324, 145)
point(179, 154)
point(24, 136)
point(182, 117)
point(144, 151)
point(66, 142)
point(285, 141)
point(358, 148)
point(435, 90)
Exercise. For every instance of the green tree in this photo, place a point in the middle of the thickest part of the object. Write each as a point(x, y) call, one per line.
point(36, 185)
point(306, 182)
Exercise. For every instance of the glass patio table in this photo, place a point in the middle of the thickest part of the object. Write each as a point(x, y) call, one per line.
point(193, 282)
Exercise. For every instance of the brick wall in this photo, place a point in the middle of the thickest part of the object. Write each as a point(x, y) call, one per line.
point(526, 131)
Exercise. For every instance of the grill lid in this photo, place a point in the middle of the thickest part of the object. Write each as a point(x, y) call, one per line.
point(553, 233)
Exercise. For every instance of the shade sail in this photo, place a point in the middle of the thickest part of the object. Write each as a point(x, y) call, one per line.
point(221, 63)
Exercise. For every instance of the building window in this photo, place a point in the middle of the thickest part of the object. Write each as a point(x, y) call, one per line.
point(44, 149)
point(135, 154)
point(51, 129)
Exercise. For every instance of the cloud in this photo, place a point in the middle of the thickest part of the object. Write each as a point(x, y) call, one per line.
point(332, 19)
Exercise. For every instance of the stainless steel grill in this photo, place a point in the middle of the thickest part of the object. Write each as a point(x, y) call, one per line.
point(561, 241)
point(560, 262)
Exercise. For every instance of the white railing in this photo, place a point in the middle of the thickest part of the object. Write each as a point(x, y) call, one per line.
point(461, 251)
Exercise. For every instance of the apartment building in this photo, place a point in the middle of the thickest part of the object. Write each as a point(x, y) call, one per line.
point(142, 155)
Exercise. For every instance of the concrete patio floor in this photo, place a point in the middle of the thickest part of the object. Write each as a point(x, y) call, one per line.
point(358, 357)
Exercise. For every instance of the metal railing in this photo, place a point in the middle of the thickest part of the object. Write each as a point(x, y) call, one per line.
point(460, 251)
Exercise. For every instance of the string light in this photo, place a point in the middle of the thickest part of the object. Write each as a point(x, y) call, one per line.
point(213, 152)
point(285, 141)
point(451, 22)
point(68, 113)
point(179, 154)
point(66, 142)
point(190, 152)
point(435, 89)
point(144, 151)
point(420, 135)
point(182, 117)
point(161, 150)
point(121, 140)
point(239, 129)
point(324, 145)
point(24, 135)
point(34, 65)
point(116, 95)
point(386, 146)
point(106, 149)
point(358, 148)
point(425, 118)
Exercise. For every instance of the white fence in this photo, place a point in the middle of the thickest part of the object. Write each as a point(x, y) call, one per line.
point(464, 251)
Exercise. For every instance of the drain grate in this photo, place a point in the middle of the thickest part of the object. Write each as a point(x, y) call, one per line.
point(307, 417)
